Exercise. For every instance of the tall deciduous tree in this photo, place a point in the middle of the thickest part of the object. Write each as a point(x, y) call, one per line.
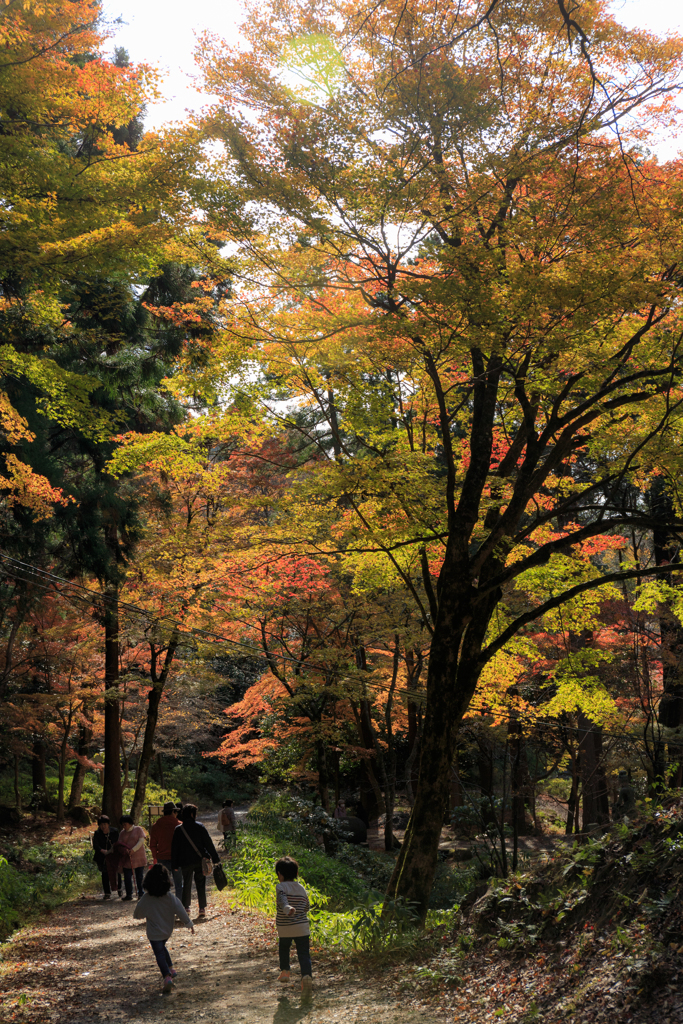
point(459, 259)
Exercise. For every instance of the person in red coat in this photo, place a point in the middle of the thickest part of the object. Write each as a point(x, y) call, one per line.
point(160, 840)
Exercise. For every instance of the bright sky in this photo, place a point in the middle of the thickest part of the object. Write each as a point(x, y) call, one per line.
point(163, 32)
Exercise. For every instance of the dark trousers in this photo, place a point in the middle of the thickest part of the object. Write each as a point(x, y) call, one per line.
point(177, 878)
point(303, 951)
point(106, 884)
point(163, 956)
point(200, 884)
point(128, 879)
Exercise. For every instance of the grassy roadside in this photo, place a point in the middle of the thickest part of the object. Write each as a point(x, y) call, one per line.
point(346, 890)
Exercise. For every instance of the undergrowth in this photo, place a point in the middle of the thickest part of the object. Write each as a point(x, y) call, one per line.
point(38, 878)
point(602, 884)
point(348, 907)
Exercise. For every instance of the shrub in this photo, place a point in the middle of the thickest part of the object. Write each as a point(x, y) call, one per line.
point(40, 878)
point(208, 782)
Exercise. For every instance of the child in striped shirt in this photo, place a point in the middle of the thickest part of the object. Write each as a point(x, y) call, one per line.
point(292, 922)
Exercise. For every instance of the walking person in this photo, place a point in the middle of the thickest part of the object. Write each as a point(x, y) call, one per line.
point(191, 843)
point(103, 842)
point(160, 842)
point(131, 845)
point(160, 907)
point(227, 824)
point(292, 922)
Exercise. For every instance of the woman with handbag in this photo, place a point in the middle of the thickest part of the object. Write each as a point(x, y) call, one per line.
point(131, 848)
point(192, 851)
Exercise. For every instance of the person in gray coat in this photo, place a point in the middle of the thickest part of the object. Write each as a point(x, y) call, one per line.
point(160, 907)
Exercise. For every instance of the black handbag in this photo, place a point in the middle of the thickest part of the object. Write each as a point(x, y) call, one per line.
point(219, 879)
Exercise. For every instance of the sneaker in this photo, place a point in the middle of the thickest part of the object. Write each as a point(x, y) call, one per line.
point(307, 984)
point(202, 913)
point(126, 899)
point(107, 896)
point(172, 973)
point(168, 983)
point(284, 977)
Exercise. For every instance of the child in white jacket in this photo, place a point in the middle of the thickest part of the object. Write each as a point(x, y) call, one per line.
point(292, 922)
point(161, 908)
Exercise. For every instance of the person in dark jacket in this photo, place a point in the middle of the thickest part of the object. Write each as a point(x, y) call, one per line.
point(103, 841)
point(191, 842)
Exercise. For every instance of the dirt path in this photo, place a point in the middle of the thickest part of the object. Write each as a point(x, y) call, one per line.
point(91, 963)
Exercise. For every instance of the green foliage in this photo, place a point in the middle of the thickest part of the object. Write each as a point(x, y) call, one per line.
point(272, 802)
point(39, 878)
point(199, 783)
point(91, 796)
point(65, 396)
point(558, 788)
point(154, 794)
point(263, 841)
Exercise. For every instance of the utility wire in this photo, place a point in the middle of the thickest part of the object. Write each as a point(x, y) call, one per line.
point(46, 580)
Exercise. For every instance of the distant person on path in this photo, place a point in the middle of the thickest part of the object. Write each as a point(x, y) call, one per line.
point(292, 922)
point(160, 907)
point(227, 824)
point(340, 809)
point(103, 842)
point(191, 842)
point(131, 846)
point(160, 842)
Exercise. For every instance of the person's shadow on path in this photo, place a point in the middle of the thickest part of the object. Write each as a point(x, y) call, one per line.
point(288, 1014)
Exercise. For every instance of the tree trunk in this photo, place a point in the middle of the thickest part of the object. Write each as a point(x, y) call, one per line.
point(670, 711)
point(486, 781)
point(414, 662)
point(112, 796)
point(413, 874)
point(39, 782)
point(17, 789)
point(519, 778)
point(125, 764)
point(84, 740)
point(413, 756)
point(153, 702)
point(323, 775)
point(63, 748)
point(370, 793)
point(452, 677)
point(160, 766)
point(595, 796)
point(572, 803)
point(387, 760)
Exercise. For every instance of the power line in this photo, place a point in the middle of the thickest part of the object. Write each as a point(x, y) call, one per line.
point(45, 579)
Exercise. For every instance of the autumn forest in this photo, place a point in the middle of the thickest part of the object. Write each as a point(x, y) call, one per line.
point(342, 424)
